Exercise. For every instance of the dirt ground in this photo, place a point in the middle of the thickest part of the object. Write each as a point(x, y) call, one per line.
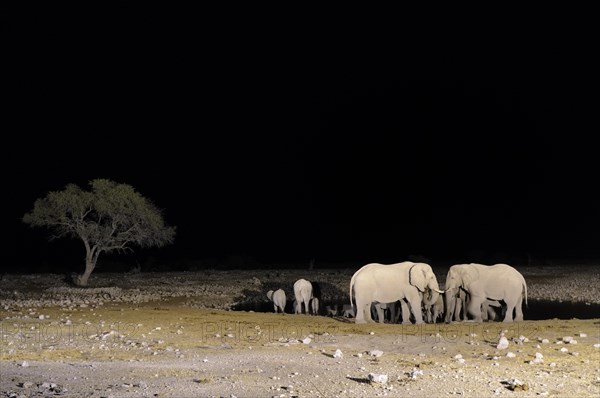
point(176, 335)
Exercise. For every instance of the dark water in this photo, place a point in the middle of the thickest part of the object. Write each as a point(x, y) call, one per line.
point(545, 309)
point(535, 310)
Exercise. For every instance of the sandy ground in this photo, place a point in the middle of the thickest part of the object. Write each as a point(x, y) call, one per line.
point(175, 335)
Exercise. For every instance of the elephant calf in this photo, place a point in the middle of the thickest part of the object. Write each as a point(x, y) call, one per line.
point(434, 311)
point(278, 298)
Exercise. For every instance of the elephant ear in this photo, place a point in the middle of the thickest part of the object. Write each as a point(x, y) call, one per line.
point(270, 295)
point(468, 274)
point(417, 276)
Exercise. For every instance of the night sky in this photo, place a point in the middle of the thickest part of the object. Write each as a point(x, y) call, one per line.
point(286, 142)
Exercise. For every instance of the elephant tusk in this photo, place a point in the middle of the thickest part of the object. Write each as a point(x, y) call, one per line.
point(439, 291)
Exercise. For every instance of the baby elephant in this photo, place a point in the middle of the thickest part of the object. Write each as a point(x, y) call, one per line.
point(278, 299)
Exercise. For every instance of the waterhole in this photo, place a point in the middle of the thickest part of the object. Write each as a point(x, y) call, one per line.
point(534, 310)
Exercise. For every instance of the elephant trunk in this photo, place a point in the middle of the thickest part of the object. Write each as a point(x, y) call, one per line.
point(434, 293)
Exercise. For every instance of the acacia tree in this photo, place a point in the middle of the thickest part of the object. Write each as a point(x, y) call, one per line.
point(110, 217)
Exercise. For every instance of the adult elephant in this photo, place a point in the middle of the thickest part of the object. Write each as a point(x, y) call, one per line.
point(387, 283)
point(499, 282)
point(303, 292)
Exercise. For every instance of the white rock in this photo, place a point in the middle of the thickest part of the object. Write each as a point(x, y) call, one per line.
point(597, 345)
point(306, 340)
point(564, 349)
point(539, 358)
point(378, 378)
point(502, 343)
point(24, 364)
point(376, 353)
point(510, 355)
point(515, 382)
point(567, 339)
point(582, 334)
point(338, 354)
point(458, 356)
point(415, 372)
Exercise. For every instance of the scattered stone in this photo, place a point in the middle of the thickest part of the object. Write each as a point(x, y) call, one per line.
point(567, 339)
point(517, 385)
point(378, 378)
point(539, 358)
point(582, 334)
point(306, 340)
point(502, 343)
point(523, 339)
point(24, 364)
point(338, 354)
point(376, 353)
point(415, 372)
point(459, 358)
point(510, 355)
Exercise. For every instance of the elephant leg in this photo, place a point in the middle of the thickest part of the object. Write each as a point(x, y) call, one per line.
point(457, 310)
point(474, 308)
point(363, 312)
point(450, 307)
point(484, 310)
point(393, 314)
point(380, 313)
point(509, 313)
point(405, 313)
point(519, 309)
point(491, 313)
point(510, 307)
point(415, 306)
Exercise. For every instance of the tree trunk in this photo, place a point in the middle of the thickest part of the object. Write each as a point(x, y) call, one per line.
point(90, 263)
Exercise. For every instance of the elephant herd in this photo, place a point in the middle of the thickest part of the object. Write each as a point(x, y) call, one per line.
point(471, 291)
point(411, 290)
point(304, 299)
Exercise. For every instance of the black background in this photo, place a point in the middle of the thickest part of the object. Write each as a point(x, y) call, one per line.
point(283, 140)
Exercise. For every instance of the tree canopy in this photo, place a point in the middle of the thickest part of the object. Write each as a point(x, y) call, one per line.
point(110, 217)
